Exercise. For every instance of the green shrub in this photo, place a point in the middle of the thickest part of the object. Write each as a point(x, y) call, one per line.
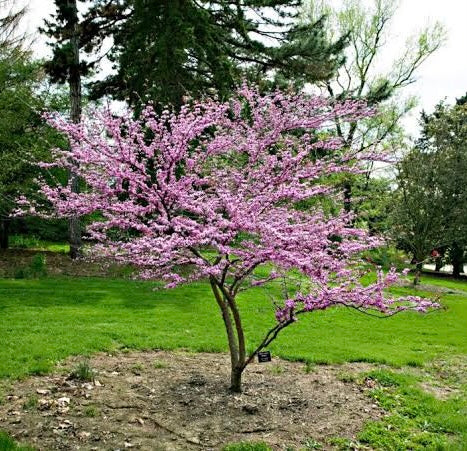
point(387, 257)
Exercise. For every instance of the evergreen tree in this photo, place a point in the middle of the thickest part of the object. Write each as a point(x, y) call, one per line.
point(431, 207)
point(166, 50)
point(66, 67)
point(445, 133)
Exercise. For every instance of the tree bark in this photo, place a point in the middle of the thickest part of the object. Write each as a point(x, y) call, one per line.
point(235, 334)
point(418, 273)
point(75, 115)
point(239, 360)
point(457, 259)
point(236, 380)
point(347, 196)
point(231, 338)
point(4, 233)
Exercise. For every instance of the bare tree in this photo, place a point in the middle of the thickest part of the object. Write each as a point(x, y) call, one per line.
point(368, 35)
point(10, 18)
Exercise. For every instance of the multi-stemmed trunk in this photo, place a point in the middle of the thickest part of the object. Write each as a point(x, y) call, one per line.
point(239, 359)
point(234, 329)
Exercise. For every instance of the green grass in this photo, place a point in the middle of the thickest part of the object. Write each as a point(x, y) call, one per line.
point(8, 444)
point(417, 420)
point(37, 244)
point(46, 320)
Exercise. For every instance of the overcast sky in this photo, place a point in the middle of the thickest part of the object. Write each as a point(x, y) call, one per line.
point(443, 75)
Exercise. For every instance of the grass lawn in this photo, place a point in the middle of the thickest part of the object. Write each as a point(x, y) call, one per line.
point(46, 320)
point(37, 244)
point(49, 319)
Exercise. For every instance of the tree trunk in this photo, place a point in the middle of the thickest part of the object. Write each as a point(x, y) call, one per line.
point(457, 269)
point(236, 380)
point(239, 359)
point(457, 259)
point(418, 273)
point(237, 363)
point(75, 115)
point(347, 196)
point(4, 233)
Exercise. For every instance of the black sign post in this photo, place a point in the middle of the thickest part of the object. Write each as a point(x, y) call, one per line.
point(264, 356)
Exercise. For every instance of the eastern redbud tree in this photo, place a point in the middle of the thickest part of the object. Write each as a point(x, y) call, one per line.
point(217, 191)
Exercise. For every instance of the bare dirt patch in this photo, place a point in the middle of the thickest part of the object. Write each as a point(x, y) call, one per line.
point(57, 263)
point(179, 401)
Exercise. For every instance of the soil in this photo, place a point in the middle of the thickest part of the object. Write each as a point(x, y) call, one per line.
point(57, 263)
point(180, 401)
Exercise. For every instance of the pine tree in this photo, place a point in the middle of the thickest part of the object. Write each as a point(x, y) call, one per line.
point(66, 67)
point(166, 50)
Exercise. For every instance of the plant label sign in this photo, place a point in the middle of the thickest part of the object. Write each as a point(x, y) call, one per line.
point(264, 356)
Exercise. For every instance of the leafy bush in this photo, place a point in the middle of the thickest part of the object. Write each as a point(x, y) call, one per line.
point(387, 257)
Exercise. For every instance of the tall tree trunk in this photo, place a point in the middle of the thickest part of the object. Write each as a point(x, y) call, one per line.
point(418, 273)
point(4, 232)
point(75, 115)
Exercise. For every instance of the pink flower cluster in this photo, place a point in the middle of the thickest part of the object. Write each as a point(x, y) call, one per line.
point(215, 190)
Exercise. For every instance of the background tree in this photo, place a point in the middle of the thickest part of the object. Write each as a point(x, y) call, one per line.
point(163, 51)
point(23, 133)
point(65, 66)
point(214, 193)
point(10, 19)
point(431, 201)
point(25, 138)
point(360, 77)
point(417, 217)
point(445, 135)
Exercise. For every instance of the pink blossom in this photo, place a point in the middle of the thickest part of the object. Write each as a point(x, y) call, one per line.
point(214, 190)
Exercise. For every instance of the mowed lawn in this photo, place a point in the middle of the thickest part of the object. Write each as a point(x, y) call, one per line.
point(43, 321)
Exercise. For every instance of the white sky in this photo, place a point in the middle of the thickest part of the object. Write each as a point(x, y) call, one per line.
point(444, 75)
